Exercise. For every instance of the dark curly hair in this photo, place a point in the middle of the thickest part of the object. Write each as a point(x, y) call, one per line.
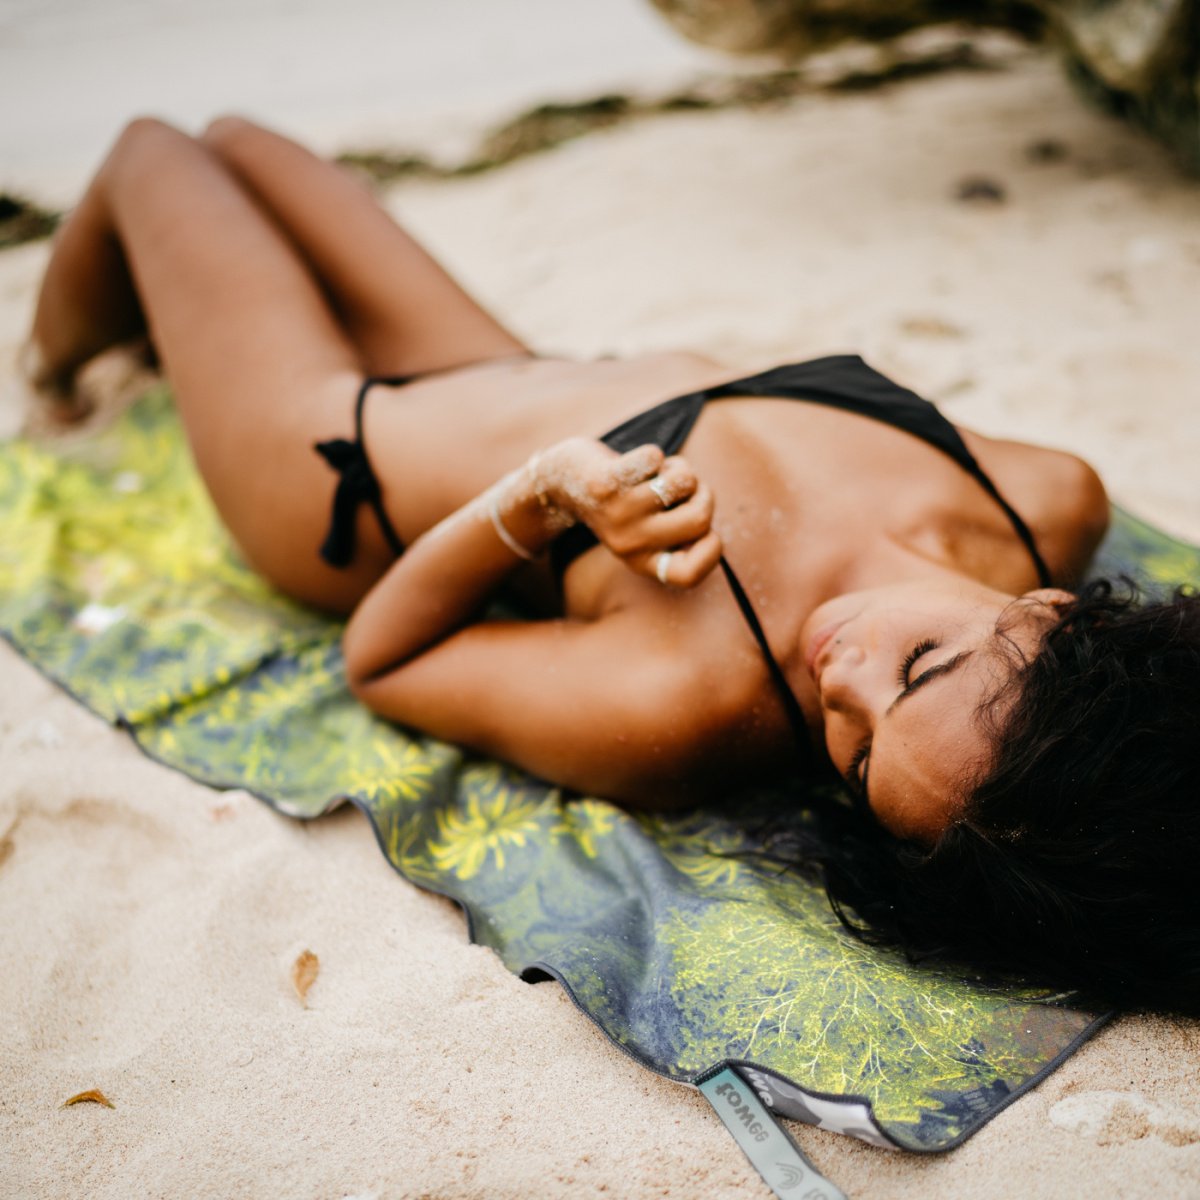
point(1076, 860)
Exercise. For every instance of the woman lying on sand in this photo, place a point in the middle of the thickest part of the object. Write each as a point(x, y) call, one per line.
point(834, 576)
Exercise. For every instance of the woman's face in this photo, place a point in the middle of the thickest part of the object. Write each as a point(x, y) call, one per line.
point(901, 673)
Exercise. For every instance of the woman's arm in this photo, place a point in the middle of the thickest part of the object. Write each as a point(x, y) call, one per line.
point(441, 580)
point(592, 704)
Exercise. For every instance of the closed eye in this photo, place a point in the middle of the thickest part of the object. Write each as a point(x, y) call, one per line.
point(853, 776)
point(927, 677)
point(910, 659)
point(856, 779)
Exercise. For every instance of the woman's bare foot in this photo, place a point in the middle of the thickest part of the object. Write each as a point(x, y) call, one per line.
point(104, 385)
point(50, 401)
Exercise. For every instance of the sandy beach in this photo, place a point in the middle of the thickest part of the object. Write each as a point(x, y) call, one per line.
point(149, 925)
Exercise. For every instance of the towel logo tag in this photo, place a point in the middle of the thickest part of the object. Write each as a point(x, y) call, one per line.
point(770, 1150)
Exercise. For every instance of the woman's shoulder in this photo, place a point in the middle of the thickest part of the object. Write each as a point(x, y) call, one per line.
point(1059, 495)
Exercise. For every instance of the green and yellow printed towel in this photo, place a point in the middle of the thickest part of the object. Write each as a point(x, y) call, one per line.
point(118, 581)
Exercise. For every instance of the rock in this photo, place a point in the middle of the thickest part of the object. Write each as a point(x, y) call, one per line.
point(1138, 58)
point(1126, 44)
point(1141, 60)
point(794, 28)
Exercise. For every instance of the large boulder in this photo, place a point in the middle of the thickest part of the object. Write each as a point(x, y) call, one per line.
point(1141, 58)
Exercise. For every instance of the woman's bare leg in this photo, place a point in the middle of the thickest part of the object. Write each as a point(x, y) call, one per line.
point(87, 302)
point(260, 366)
point(401, 309)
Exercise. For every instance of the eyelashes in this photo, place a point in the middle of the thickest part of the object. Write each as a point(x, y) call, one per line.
point(856, 760)
point(921, 648)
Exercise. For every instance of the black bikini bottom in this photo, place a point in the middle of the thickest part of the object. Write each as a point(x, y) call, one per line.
point(358, 484)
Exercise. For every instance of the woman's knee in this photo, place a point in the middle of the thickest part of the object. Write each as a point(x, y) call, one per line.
point(142, 131)
point(143, 142)
point(223, 134)
point(147, 131)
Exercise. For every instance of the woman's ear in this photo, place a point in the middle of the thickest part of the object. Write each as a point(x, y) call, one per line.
point(1053, 597)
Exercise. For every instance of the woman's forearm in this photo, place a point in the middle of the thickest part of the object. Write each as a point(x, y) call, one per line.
point(442, 579)
point(438, 585)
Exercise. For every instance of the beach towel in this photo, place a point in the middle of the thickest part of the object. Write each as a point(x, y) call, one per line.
point(118, 581)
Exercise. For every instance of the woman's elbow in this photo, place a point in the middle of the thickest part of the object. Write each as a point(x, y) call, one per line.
point(358, 685)
point(381, 693)
point(362, 672)
point(383, 687)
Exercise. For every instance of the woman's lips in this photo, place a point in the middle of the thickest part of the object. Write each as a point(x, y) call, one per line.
point(819, 641)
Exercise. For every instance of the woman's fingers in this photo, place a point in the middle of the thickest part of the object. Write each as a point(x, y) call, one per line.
point(674, 483)
point(670, 483)
point(587, 481)
point(649, 510)
point(685, 566)
point(643, 483)
point(626, 472)
point(663, 530)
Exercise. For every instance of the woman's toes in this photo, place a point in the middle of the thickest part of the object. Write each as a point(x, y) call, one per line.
point(46, 401)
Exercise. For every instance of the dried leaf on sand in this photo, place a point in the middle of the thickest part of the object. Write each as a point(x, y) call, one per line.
point(304, 974)
point(91, 1096)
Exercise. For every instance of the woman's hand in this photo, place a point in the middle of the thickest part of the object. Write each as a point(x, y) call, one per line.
point(650, 510)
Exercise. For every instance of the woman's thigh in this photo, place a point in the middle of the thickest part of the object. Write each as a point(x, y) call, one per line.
point(260, 366)
point(403, 311)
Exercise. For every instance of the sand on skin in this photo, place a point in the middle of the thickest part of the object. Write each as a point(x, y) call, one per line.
point(149, 925)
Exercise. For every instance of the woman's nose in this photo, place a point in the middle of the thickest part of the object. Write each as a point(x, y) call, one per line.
point(843, 682)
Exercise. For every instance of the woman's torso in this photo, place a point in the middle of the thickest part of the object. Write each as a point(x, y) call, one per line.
point(834, 484)
point(811, 501)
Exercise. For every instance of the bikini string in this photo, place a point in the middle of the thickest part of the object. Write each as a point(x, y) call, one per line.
point(358, 485)
point(791, 706)
point(1023, 532)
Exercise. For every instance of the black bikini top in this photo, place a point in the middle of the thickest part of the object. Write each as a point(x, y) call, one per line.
point(840, 381)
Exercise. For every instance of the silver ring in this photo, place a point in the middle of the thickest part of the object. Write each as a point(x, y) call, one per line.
point(658, 485)
point(662, 564)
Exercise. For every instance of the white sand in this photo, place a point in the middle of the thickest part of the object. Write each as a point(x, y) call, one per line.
point(355, 72)
point(148, 924)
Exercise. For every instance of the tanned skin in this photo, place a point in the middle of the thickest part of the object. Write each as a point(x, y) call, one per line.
point(270, 282)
